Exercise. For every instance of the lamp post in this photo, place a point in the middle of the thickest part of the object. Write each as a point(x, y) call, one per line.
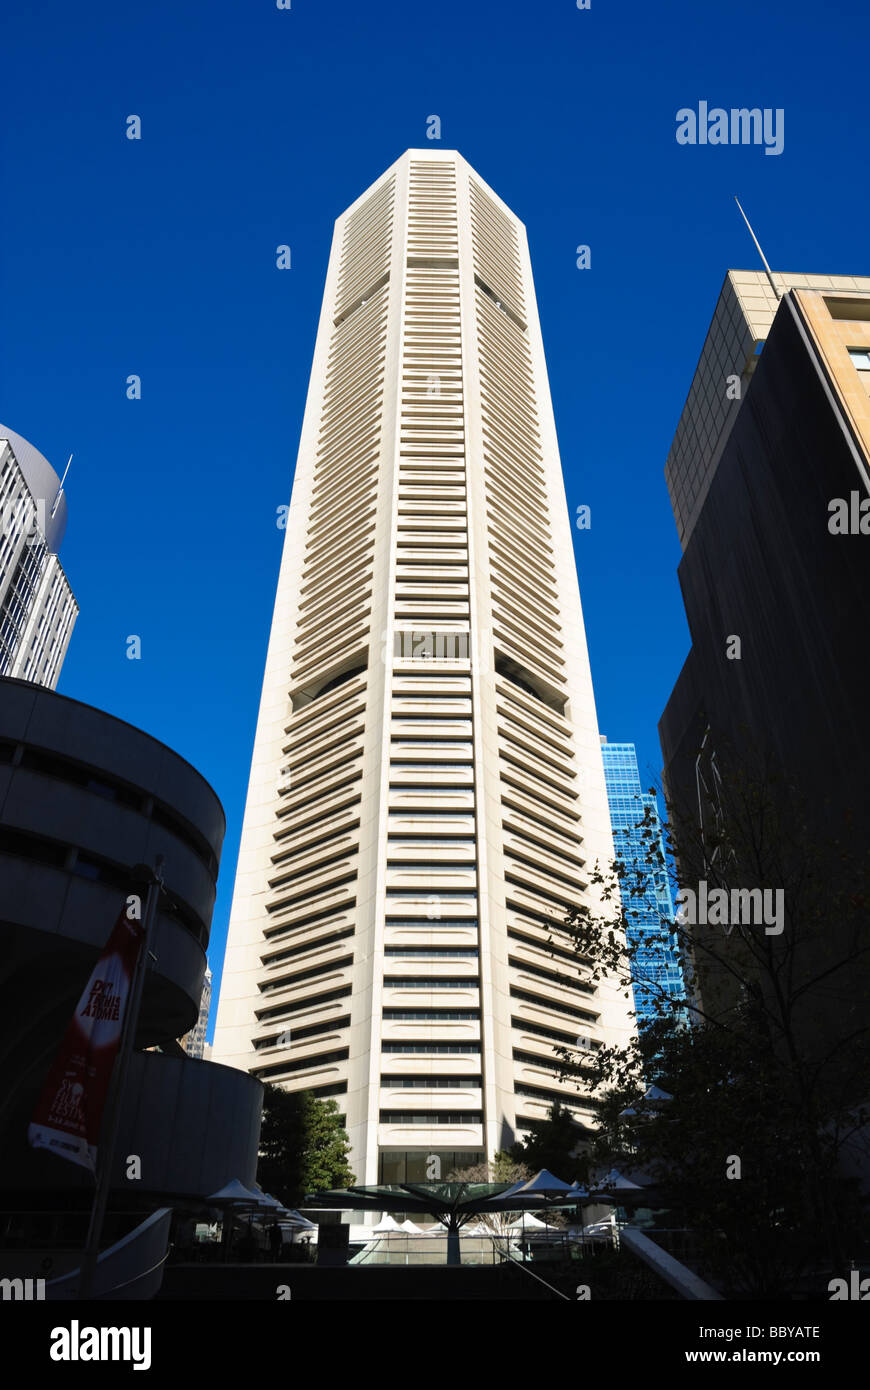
point(142, 873)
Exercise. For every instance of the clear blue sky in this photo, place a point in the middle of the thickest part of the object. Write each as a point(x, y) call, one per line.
point(259, 127)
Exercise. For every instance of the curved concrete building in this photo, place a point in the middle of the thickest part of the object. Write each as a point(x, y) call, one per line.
point(37, 608)
point(83, 798)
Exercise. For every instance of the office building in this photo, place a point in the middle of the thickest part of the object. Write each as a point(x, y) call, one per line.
point(194, 1043)
point(84, 799)
point(637, 832)
point(768, 489)
point(426, 796)
point(37, 608)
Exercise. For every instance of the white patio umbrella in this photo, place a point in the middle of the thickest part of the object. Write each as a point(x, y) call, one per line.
point(614, 1181)
point(265, 1199)
point(509, 1192)
point(543, 1184)
point(270, 1203)
point(529, 1222)
point(232, 1192)
point(295, 1218)
point(648, 1100)
point(387, 1223)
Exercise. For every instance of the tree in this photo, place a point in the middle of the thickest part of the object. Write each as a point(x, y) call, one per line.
point(728, 1147)
point(503, 1168)
point(773, 1070)
point(303, 1145)
point(556, 1143)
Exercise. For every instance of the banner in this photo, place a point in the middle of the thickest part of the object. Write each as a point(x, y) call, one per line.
point(70, 1110)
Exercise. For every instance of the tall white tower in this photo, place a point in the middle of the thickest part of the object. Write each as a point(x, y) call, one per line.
point(427, 793)
point(37, 608)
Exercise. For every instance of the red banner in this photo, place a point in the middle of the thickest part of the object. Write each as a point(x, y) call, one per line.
point(70, 1110)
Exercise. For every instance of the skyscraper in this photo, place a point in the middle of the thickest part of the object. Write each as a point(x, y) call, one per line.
point(742, 320)
point(37, 608)
point(656, 964)
point(770, 486)
point(426, 795)
point(193, 1042)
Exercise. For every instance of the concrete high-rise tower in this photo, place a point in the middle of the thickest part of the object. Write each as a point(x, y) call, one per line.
point(427, 793)
point(37, 608)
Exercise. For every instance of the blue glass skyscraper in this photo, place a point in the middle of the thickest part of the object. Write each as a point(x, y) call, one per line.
point(655, 965)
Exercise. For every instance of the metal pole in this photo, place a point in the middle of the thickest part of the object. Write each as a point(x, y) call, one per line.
point(773, 284)
point(111, 1117)
point(453, 1254)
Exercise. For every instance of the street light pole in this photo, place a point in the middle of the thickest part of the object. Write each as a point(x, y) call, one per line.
point(112, 1115)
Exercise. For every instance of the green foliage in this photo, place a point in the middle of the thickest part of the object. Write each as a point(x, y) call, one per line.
point(303, 1145)
point(732, 1149)
point(554, 1144)
point(503, 1168)
point(773, 1069)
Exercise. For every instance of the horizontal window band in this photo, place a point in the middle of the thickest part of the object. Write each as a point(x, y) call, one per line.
point(433, 1016)
point(436, 952)
point(297, 1006)
point(321, 1059)
point(539, 1030)
point(315, 944)
point(288, 981)
point(311, 1030)
point(552, 1005)
point(561, 981)
point(431, 982)
point(433, 1083)
point(432, 1117)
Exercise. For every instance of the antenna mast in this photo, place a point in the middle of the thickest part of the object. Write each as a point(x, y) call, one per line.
point(60, 489)
point(769, 272)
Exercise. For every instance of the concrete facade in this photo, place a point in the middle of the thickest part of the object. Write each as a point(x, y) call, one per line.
point(84, 798)
point(37, 608)
point(426, 795)
point(768, 562)
point(741, 322)
point(194, 1042)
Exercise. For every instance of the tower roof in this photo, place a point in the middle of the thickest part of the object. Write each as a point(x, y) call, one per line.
point(43, 482)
